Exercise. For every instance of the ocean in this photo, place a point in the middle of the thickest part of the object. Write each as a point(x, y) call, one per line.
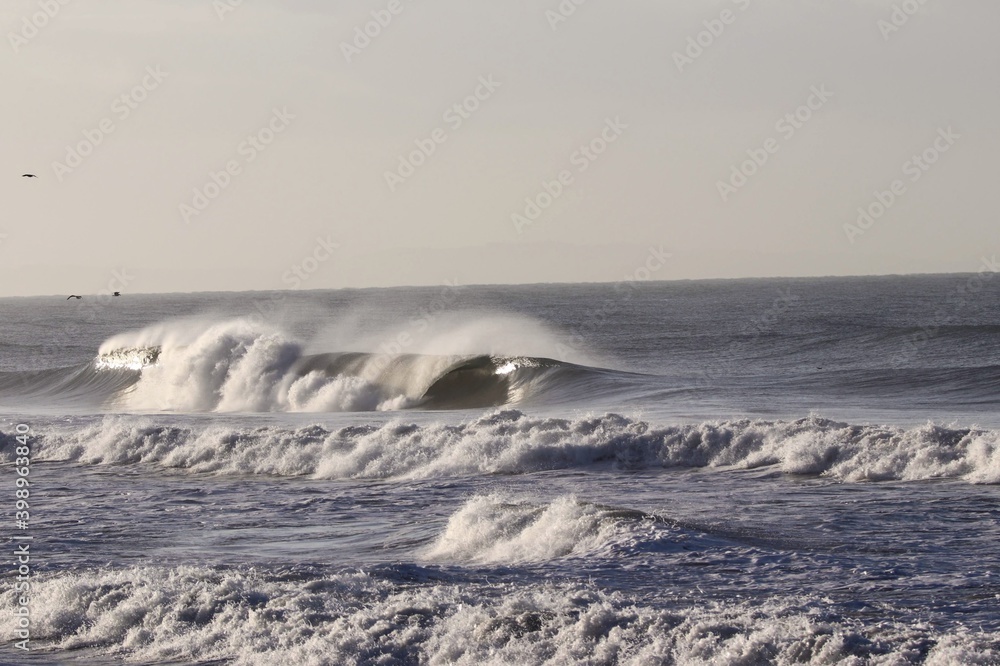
point(770, 471)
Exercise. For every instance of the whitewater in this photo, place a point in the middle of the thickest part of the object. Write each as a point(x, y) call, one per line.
point(797, 471)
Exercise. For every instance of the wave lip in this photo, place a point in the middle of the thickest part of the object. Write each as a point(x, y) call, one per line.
point(510, 442)
point(127, 358)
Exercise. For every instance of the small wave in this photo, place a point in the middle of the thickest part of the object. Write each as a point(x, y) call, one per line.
point(197, 615)
point(510, 442)
point(494, 529)
point(965, 386)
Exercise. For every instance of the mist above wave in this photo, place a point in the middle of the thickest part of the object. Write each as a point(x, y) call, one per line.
point(239, 365)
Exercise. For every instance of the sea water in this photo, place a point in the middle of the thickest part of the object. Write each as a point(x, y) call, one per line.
point(727, 472)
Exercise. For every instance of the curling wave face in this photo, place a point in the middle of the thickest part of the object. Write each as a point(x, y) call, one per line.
point(239, 366)
point(243, 366)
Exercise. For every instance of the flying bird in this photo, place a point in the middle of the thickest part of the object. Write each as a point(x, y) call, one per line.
point(28, 175)
point(73, 296)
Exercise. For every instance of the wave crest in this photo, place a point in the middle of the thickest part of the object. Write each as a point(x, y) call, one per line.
point(241, 366)
point(509, 442)
point(494, 529)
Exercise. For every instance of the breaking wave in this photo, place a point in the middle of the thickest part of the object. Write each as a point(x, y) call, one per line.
point(494, 529)
point(241, 366)
point(510, 442)
point(202, 615)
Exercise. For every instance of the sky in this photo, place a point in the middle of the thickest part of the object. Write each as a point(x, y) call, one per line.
point(203, 145)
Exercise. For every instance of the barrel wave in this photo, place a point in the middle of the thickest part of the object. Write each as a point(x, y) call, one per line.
point(240, 366)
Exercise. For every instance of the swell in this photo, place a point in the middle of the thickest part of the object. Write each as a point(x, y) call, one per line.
point(959, 386)
point(84, 385)
point(510, 442)
point(240, 365)
point(344, 381)
point(355, 381)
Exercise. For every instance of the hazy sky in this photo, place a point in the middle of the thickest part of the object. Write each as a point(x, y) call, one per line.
point(125, 110)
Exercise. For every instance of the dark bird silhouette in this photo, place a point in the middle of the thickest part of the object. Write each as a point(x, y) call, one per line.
point(117, 293)
point(28, 175)
point(73, 296)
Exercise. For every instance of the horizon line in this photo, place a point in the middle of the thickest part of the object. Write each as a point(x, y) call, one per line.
point(514, 284)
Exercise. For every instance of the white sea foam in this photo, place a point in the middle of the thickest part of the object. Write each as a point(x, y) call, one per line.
point(510, 442)
point(129, 358)
point(189, 614)
point(242, 366)
point(494, 529)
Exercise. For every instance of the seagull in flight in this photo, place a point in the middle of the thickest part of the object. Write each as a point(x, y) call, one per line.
point(73, 296)
point(28, 175)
